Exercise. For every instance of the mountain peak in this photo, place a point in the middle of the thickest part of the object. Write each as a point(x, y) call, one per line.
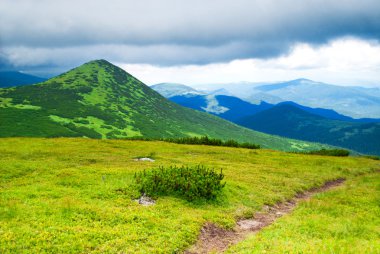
point(287, 84)
point(173, 89)
point(99, 62)
point(302, 80)
point(97, 73)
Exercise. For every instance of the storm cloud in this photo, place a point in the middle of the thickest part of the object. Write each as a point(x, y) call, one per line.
point(174, 32)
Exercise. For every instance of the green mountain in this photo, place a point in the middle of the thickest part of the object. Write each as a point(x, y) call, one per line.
point(100, 100)
point(293, 122)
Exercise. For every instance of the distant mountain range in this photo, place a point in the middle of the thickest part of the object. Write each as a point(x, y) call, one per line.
point(356, 102)
point(16, 78)
point(227, 107)
point(232, 107)
point(290, 119)
point(100, 100)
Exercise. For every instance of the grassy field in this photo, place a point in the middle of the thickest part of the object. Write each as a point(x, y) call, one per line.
point(75, 195)
point(344, 220)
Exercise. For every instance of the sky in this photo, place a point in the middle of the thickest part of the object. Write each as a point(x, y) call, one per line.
point(198, 41)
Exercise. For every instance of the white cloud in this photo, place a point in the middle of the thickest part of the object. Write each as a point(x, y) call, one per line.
point(169, 54)
point(347, 61)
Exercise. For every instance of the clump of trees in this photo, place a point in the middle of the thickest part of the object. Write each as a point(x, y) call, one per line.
point(211, 142)
point(331, 152)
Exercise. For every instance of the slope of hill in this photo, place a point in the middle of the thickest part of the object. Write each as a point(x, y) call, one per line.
point(293, 122)
point(100, 100)
point(15, 78)
point(357, 102)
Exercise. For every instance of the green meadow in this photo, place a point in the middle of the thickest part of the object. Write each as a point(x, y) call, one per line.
point(77, 195)
point(343, 220)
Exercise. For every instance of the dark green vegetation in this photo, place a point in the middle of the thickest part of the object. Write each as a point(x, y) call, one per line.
point(100, 100)
point(211, 142)
point(75, 195)
point(330, 152)
point(373, 157)
point(289, 121)
point(204, 140)
point(15, 78)
point(343, 220)
point(190, 182)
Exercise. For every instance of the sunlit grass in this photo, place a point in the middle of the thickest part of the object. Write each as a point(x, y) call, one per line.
point(76, 195)
point(343, 220)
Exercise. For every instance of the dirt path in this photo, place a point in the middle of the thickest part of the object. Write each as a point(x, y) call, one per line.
point(213, 238)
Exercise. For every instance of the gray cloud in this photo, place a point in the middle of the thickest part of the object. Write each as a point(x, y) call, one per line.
point(171, 32)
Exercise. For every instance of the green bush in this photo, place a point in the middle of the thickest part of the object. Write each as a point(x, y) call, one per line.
point(331, 152)
point(189, 182)
point(372, 157)
point(211, 142)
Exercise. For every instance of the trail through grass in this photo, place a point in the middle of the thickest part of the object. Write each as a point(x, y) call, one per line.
point(342, 220)
point(216, 239)
point(75, 195)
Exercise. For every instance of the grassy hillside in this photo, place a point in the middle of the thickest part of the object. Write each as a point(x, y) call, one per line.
point(100, 100)
point(299, 124)
point(75, 195)
point(344, 220)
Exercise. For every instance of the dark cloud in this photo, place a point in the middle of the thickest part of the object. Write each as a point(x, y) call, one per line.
point(172, 32)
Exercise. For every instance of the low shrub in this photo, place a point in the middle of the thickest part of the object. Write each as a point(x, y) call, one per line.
point(372, 157)
point(331, 152)
point(211, 142)
point(189, 182)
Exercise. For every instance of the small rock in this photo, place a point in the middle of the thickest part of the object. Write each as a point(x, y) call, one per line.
point(145, 200)
point(144, 159)
point(249, 224)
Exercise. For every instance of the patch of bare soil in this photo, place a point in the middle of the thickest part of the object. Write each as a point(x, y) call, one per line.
point(215, 239)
